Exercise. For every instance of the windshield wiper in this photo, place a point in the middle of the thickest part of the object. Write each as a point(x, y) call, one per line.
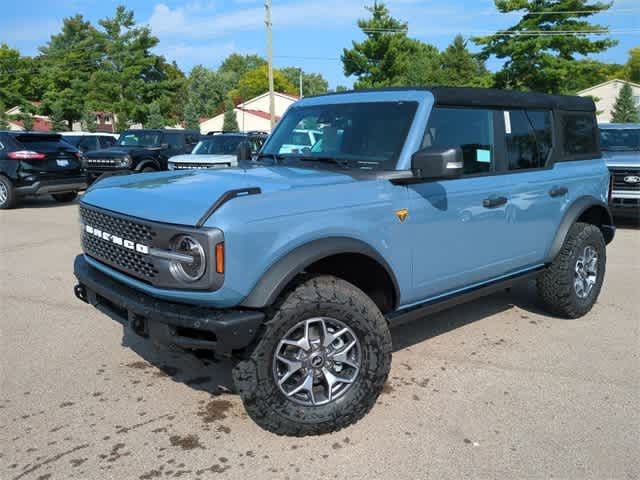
point(324, 159)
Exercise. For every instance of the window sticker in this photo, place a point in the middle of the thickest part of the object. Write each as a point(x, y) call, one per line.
point(483, 156)
point(507, 123)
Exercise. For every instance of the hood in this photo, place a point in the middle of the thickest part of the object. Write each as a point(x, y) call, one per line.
point(202, 158)
point(182, 197)
point(119, 151)
point(622, 159)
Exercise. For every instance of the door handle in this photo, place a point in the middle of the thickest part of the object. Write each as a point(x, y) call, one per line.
point(493, 202)
point(558, 191)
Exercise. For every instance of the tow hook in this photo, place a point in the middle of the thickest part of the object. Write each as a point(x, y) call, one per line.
point(81, 293)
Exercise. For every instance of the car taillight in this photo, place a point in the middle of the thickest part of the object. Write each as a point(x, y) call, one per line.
point(26, 155)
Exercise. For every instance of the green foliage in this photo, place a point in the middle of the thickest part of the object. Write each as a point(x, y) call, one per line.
point(632, 68)
point(625, 109)
point(121, 122)
point(236, 66)
point(27, 121)
point(155, 119)
point(4, 121)
point(312, 83)
point(544, 63)
point(17, 79)
point(461, 68)
point(230, 123)
point(341, 88)
point(191, 118)
point(206, 91)
point(255, 82)
point(58, 122)
point(88, 121)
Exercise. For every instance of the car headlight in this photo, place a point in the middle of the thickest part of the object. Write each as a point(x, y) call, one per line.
point(125, 162)
point(188, 271)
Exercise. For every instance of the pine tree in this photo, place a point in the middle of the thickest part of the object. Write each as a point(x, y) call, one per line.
point(4, 121)
point(155, 118)
point(88, 121)
point(230, 123)
point(625, 110)
point(58, 123)
point(191, 119)
point(27, 121)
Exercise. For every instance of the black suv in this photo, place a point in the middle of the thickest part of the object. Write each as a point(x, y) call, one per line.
point(144, 150)
point(38, 164)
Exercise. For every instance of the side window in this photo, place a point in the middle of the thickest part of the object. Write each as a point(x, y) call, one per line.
point(527, 147)
point(469, 129)
point(175, 140)
point(579, 134)
point(107, 142)
point(89, 143)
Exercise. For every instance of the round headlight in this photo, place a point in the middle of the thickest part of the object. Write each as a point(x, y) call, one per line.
point(188, 271)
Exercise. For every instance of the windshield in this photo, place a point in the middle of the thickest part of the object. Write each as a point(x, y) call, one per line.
point(140, 139)
point(622, 140)
point(218, 145)
point(357, 135)
point(72, 139)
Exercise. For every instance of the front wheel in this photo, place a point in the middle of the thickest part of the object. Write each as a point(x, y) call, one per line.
point(570, 286)
point(64, 197)
point(7, 194)
point(321, 362)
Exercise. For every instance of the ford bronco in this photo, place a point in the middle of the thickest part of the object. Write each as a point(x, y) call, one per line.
point(298, 264)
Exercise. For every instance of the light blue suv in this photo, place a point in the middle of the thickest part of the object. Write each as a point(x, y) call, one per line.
point(297, 264)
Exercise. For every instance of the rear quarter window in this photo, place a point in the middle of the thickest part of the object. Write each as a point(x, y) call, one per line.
point(579, 134)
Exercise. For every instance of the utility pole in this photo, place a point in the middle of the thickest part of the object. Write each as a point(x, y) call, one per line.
point(267, 21)
point(300, 71)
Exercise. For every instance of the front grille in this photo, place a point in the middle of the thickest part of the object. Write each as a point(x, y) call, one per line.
point(193, 166)
point(619, 175)
point(117, 256)
point(103, 162)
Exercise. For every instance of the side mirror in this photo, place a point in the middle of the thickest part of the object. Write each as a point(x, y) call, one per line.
point(244, 151)
point(164, 146)
point(437, 163)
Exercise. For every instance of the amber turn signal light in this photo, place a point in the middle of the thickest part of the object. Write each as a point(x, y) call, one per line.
point(220, 257)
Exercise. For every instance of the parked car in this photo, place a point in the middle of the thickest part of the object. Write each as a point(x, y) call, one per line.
point(88, 141)
point(620, 143)
point(218, 151)
point(301, 139)
point(38, 164)
point(297, 266)
point(144, 150)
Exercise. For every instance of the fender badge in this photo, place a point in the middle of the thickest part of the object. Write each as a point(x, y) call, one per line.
point(402, 214)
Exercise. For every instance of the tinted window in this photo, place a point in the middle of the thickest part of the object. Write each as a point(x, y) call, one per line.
point(139, 139)
point(218, 145)
point(620, 140)
point(44, 143)
point(107, 142)
point(89, 143)
point(469, 129)
point(175, 140)
point(527, 147)
point(579, 133)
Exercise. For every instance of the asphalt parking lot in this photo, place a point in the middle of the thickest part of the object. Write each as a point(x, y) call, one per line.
point(492, 389)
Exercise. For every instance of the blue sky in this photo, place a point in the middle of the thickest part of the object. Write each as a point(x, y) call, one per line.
point(307, 33)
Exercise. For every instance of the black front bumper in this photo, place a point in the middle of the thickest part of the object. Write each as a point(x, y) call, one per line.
point(169, 323)
point(62, 185)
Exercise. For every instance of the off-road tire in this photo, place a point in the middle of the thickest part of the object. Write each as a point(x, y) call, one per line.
point(10, 200)
point(556, 283)
point(320, 296)
point(65, 197)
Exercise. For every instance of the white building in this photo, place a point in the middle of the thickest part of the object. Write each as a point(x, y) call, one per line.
point(605, 95)
point(252, 115)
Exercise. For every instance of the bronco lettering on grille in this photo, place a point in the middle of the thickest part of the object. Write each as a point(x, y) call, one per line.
point(109, 237)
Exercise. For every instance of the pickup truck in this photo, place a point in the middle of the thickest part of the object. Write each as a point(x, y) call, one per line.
point(297, 265)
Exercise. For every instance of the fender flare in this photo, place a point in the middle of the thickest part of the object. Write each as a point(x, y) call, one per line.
point(577, 208)
point(278, 275)
point(148, 162)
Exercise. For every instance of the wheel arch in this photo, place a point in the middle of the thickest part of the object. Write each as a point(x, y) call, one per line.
point(352, 260)
point(588, 210)
point(147, 162)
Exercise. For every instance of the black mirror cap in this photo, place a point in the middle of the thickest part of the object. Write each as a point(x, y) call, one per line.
point(437, 162)
point(244, 151)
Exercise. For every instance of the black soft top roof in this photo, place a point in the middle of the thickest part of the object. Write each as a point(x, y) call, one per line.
point(491, 97)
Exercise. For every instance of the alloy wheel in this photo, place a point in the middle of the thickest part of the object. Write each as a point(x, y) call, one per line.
point(586, 272)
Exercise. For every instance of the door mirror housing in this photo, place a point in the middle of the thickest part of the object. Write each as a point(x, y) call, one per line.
point(244, 151)
point(437, 163)
point(164, 146)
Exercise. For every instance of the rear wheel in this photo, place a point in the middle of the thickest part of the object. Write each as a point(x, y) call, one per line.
point(7, 194)
point(64, 197)
point(571, 284)
point(321, 362)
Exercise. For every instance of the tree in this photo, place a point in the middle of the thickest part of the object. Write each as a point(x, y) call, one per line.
point(15, 77)
point(632, 68)
point(58, 122)
point(206, 91)
point(155, 119)
point(256, 82)
point(4, 121)
point(461, 68)
point(236, 66)
point(191, 118)
point(544, 62)
point(68, 62)
point(312, 83)
point(121, 122)
point(625, 109)
point(27, 121)
point(230, 123)
point(386, 56)
point(88, 121)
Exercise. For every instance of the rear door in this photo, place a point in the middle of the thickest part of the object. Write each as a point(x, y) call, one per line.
point(60, 159)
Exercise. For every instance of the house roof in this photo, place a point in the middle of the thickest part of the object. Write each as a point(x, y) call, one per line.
point(586, 90)
point(257, 113)
point(286, 96)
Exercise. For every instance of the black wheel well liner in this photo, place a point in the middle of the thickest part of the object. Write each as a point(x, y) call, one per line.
point(350, 259)
point(588, 210)
point(146, 162)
